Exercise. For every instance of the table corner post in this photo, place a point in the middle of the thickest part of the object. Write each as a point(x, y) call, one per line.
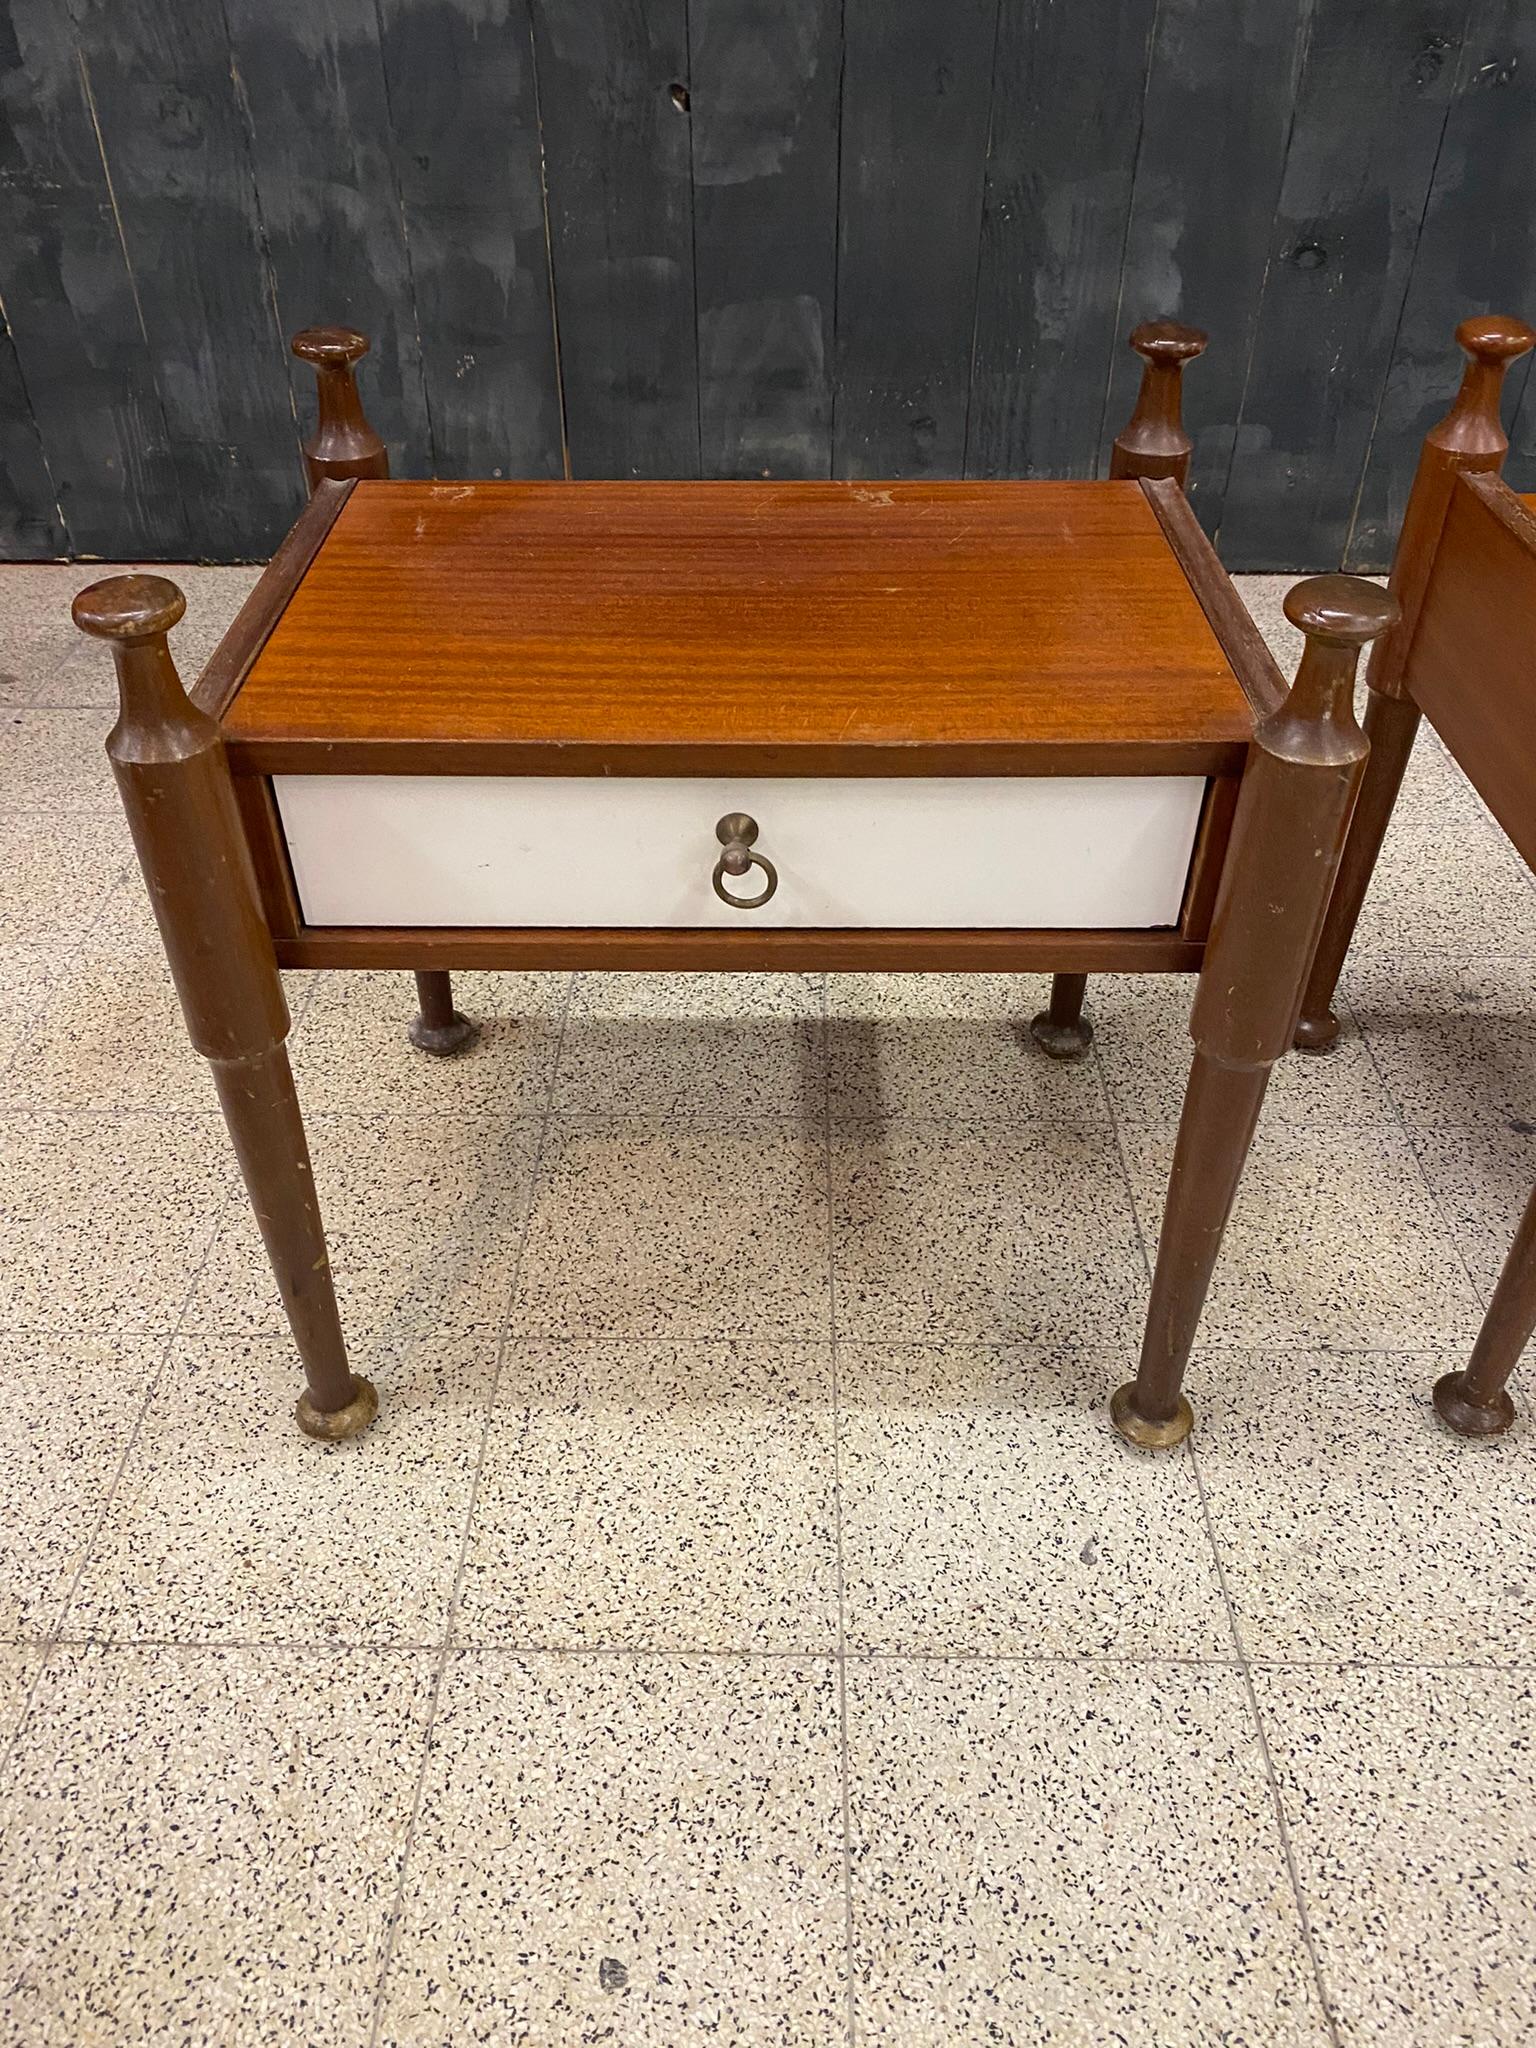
point(1468, 441)
point(173, 776)
point(1303, 771)
point(1153, 442)
point(343, 444)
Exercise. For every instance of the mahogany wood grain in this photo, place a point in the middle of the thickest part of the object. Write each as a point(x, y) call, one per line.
point(1472, 667)
point(790, 628)
point(252, 625)
point(1228, 617)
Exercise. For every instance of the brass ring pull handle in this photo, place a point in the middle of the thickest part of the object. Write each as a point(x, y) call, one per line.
point(736, 834)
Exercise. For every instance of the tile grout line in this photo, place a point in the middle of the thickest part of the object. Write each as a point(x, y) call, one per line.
point(447, 1647)
point(844, 1765)
point(1250, 1693)
point(1405, 1130)
point(1256, 1716)
point(801, 1654)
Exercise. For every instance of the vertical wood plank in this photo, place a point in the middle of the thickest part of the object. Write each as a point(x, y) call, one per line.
point(1066, 121)
point(175, 145)
point(1370, 113)
point(31, 527)
point(464, 104)
point(312, 82)
point(71, 302)
point(916, 101)
point(617, 156)
point(1220, 95)
point(1476, 254)
point(1520, 468)
point(763, 85)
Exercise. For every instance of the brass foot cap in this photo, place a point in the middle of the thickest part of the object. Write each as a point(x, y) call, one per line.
point(331, 1425)
point(442, 1040)
point(1316, 1034)
point(1149, 1436)
point(1471, 1418)
point(1061, 1041)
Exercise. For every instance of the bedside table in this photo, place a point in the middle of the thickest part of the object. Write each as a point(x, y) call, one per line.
point(809, 725)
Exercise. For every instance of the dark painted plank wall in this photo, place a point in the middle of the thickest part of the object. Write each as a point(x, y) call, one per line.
point(764, 86)
point(1068, 91)
point(916, 113)
point(748, 237)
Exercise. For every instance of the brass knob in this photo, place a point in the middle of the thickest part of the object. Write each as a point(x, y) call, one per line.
point(736, 834)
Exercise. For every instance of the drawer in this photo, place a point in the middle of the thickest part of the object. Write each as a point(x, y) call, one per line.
point(960, 853)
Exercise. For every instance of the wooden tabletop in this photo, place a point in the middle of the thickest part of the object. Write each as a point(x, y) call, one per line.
point(799, 628)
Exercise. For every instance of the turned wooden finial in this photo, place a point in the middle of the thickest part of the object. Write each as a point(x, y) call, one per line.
point(1153, 442)
point(1339, 615)
point(129, 608)
point(1472, 427)
point(1340, 611)
point(133, 614)
point(343, 444)
point(1470, 438)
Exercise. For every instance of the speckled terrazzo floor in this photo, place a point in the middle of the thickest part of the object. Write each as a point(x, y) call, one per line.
point(742, 1624)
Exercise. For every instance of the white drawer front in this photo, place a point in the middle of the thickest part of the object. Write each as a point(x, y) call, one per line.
point(1100, 851)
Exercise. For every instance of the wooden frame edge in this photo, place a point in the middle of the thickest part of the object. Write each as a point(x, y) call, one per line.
point(230, 663)
point(1227, 616)
point(806, 950)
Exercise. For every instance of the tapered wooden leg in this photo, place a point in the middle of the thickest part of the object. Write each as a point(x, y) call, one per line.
point(168, 758)
point(1062, 1030)
point(1476, 1402)
point(1390, 725)
point(1292, 812)
point(439, 1028)
point(262, 1112)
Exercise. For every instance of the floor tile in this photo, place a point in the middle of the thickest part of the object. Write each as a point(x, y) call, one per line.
point(1141, 1032)
point(423, 1222)
point(626, 1849)
point(229, 1525)
point(1444, 886)
point(203, 1845)
point(1454, 1036)
point(677, 1231)
point(657, 1497)
point(56, 874)
point(694, 1045)
point(1334, 1240)
point(1068, 1854)
point(20, 1664)
point(63, 667)
point(1017, 1236)
point(24, 974)
point(950, 1046)
point(105, 1220)
point(66, 1419)
point(354, 1052)
point(1481, 1178)
point(55, 761)
point(1410, 1800)
point(1352, 1523)
point(989, 1507)
point(110, 1037)
point(1264, 597)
